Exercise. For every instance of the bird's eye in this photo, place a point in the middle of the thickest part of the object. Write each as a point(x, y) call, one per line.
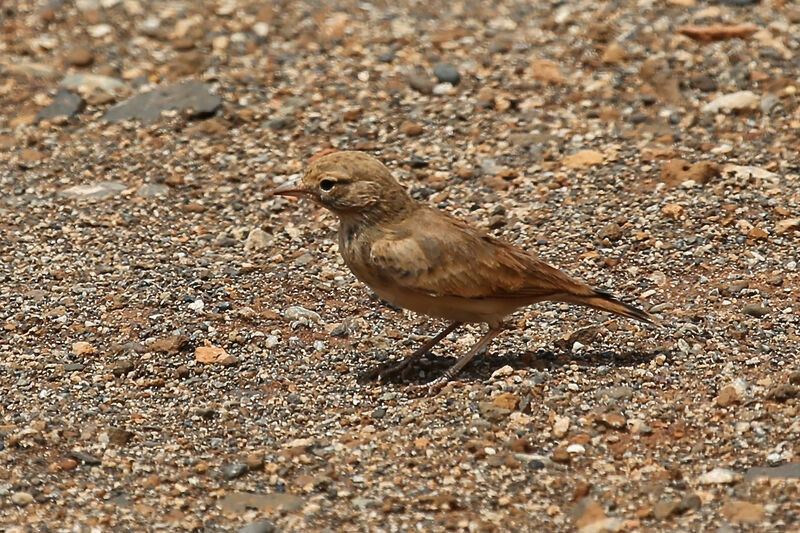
point(326, 185)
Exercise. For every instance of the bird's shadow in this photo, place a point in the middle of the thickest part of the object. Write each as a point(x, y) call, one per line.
point(431, 366)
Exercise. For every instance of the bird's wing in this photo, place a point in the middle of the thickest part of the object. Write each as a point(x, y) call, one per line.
point(439, 255)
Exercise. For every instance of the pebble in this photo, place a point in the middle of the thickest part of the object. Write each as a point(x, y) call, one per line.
point(732, 102)
point(80, 57)
point(85, 82)
point(420, 81)
point(411, 129)
point(719, 476)
point(22, 498)
point(257, 239)
point(493, 413)
point(84, 458)
point(447, 73)
point(95, 191)
point(234, 470)
point(583, 159)
point(728, 395)
point(561, 426)
point(262, 526)
point(152, 190)
point(755, 310)
point(83, 348)
point(301, 315)
point(576, 449)
point(193, 98)
point(65, 104)
point(742, 512)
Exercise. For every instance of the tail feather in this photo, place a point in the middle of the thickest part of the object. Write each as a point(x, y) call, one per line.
point(606, 302)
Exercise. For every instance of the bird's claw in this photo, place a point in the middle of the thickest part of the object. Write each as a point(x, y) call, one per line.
point(382, 373)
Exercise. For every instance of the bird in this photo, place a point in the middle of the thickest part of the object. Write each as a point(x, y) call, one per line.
point(420, 258)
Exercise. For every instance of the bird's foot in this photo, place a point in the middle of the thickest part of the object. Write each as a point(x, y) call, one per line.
point(382, 373)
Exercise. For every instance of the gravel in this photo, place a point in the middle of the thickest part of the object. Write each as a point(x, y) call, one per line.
point(181, 351)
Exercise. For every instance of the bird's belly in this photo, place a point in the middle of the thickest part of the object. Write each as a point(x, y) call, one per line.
point(451, 308)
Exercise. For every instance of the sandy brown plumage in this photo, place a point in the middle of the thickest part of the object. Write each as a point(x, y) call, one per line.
point(422, 259)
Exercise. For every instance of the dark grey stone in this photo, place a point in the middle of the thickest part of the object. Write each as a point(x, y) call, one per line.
point(65, 104)
point(447, 73)
point(191, 97)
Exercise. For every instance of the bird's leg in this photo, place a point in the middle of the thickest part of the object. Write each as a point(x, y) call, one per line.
point(384, 372)
point(434, 386)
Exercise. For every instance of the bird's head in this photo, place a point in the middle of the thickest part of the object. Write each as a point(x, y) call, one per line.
point(351, 184)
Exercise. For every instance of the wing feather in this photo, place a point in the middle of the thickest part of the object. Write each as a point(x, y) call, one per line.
point(442, 256)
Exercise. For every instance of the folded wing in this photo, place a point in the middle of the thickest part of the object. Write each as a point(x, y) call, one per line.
point(442, 256)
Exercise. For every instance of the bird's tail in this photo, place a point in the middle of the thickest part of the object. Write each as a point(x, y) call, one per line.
point(606, 302)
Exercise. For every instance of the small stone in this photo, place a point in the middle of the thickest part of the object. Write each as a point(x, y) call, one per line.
point(587, 512)
point(614, 53)
point(411, 129)
point(742, 512)
point(612, 420)
point(547, 71)
point(257, 239)
point(576, 449)
point(22, 498)
point(506, 400)
point(784, 392)
point(80, 57)
point(85, 458)
point(757, 234)
point(152, 190)
point(755, 310)
point(83, 348)
point(619, 393)
point(719, 476)
point(447, 73)
point(583, 159)
point(561, 426)
point(191, 97)
point(728, 395)
point(717, 32)
point(560, 455)
point(784, 471)
point(611, 231)
point(301, 315)
point(262, 526)
point(491, 412)
point(673, 211)
point(640, 427)
point(690, 502)
point(121, 367)
point(732, 102)
point(419, 81)
point(677, 171)
point(352, 114)
point(171, 344)
point(119, 436)
point(704, 82)
point(503, 372)
point(787, 225)
point(241, 502)
point(95, 191)
point(234, 470)
point(65, 104)
point(67, 464)
point(255, 460)
point(666, 508)
point(210, 354)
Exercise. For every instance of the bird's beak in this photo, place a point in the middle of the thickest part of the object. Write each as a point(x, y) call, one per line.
point(290, 188)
